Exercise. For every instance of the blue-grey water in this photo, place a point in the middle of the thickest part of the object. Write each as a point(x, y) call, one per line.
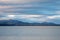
point(30, 33)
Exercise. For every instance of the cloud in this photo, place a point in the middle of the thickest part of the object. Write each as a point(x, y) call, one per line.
point(21, 1)
point(54, 17)
point(29, 16)
point(30, 10)
point(32, 18)
point(57, 12)
point(7, 17)
point(38, 18)
point(27, 7)
point(2, 7)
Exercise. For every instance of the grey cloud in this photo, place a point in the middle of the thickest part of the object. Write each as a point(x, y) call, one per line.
point(47, 7)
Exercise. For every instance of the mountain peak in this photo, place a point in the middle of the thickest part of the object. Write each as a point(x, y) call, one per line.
point(20, 23)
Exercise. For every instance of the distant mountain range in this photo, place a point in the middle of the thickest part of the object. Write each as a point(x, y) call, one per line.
point(20, 23)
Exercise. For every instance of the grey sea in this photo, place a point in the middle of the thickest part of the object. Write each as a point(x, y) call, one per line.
point(29, 32)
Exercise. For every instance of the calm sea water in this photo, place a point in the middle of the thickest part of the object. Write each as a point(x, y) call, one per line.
point(30, 33)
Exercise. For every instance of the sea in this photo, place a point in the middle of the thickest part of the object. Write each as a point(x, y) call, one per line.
point(29, 32)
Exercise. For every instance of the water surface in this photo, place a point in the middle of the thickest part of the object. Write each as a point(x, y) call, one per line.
point(30, 33)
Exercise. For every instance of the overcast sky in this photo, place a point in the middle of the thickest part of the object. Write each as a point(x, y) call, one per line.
point(30, 10)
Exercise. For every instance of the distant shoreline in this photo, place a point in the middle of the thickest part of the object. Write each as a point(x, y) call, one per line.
point(30, 27)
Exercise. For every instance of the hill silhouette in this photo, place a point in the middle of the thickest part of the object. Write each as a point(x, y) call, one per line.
point(20, 23)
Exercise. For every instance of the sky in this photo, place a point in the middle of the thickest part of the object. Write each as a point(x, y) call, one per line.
point(30, 10)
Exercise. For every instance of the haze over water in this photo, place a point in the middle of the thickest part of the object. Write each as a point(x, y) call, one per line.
point(30, 33)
